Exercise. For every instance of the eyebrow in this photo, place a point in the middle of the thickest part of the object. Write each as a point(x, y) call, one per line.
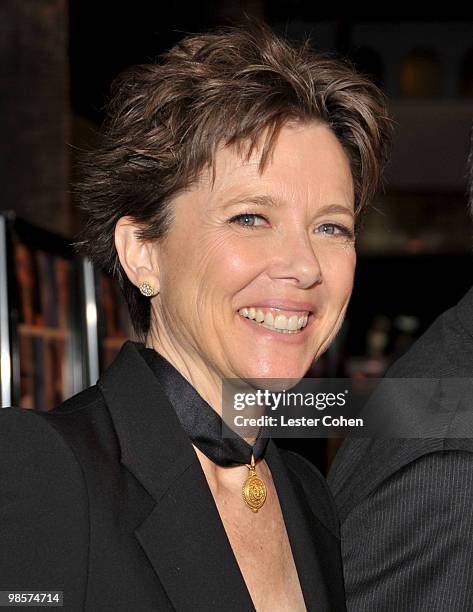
point(261, 200)
point(270, 202)
point(336, 208)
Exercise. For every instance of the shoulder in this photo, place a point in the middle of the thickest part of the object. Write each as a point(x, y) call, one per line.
point(44, 504)
point(43, 437)
point(29, 436)
point(81, 418)
point(355, 476)
point(52, 481)
point(438, 485)
point(437, 473)
point(88, 398)
point(445, 349)
point(314, 486)
point(445, 468)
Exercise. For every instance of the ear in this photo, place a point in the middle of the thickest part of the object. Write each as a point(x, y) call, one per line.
point(139, 259)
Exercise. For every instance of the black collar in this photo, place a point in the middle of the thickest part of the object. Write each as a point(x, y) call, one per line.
point(199, 420)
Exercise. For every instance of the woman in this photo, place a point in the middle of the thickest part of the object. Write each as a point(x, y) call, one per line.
point(224, 200)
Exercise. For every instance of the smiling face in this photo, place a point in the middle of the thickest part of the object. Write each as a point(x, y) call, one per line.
point(255, 252)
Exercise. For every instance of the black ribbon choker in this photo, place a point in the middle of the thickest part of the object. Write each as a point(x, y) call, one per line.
point(198, 419)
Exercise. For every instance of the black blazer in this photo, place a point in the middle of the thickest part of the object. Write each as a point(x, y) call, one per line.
point(105, 499)
point(405, 504)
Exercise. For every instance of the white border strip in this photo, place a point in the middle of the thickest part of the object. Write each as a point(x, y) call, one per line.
point(91, 322)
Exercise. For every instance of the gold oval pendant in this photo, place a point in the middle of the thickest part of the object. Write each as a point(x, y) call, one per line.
point(254, 492)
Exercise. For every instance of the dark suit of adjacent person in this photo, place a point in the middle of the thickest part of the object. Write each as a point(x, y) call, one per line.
point(104, 498)
point(406, 505)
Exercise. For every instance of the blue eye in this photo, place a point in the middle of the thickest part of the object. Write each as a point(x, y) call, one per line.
point(333, 229)
point(246, 219)
point(328, 228)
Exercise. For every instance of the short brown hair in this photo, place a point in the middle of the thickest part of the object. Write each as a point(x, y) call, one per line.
point(166, 120)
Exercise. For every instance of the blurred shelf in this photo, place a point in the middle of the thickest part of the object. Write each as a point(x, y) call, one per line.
point(43, 332)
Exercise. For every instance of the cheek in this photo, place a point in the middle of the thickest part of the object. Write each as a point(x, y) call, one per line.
point(231, 265)
point(348, 271)
point(207, 272)
point(339, 273)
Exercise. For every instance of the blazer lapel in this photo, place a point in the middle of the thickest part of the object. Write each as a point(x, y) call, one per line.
point(188, 548)
point(183, 537)
point(311, 543)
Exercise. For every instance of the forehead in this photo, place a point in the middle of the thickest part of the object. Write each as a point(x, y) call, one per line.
point(307, 162)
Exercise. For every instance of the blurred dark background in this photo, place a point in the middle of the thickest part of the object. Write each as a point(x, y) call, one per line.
point(58, 59)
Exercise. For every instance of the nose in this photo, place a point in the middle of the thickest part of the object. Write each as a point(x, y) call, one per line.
point(296, 261)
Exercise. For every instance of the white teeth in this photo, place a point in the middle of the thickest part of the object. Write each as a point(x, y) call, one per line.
point(280, 322)
point(259, 316)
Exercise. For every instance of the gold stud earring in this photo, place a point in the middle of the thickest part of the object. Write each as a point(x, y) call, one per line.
point(146, 289)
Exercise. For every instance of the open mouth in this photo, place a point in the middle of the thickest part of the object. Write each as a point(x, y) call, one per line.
point(284, 322)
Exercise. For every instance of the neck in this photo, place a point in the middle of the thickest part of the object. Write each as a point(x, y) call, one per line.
point(204, 380)
point(209, 392)
point(221, 477)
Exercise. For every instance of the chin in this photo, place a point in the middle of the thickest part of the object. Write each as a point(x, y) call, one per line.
point(274, 375)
